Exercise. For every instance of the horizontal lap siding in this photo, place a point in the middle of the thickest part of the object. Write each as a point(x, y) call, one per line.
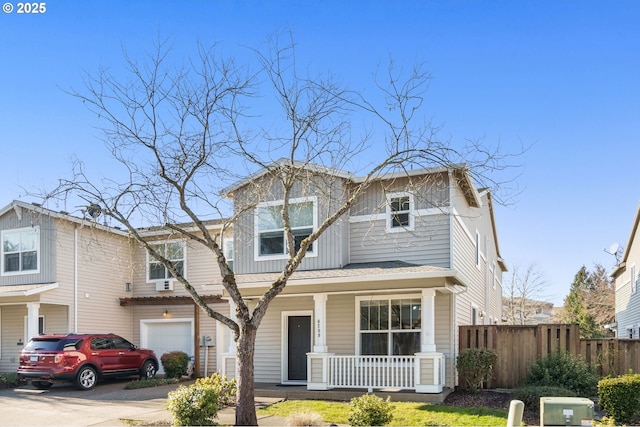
point(12, 324)
point(443, 331)
point(268, 354)
point(341, 328)
point(104, 266)
point(428, 244)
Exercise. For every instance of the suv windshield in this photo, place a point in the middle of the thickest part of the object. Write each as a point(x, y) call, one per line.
point(52, 344)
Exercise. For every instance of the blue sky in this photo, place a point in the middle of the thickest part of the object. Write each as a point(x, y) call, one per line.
point(563, 76)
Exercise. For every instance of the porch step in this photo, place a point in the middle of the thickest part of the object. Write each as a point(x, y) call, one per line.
point(300, 392)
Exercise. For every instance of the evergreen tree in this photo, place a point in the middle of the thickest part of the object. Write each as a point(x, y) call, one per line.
point(591, 302)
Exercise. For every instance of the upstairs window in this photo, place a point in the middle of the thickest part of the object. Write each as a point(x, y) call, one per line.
point(634, 279)
point(20, 250)
point(174, 252)
point(271, 240)
point(399, 212)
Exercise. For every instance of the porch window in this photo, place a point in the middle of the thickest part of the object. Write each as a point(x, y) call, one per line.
point(174, 252)
point(20, 250)
point(271, 240)
point(390, 327)
point(399, 212)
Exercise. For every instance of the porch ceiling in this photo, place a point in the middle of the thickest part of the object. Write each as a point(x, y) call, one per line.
point(25, 290)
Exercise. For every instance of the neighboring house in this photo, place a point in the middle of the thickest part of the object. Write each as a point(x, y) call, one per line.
point(376, 302)
point(60, 273)
point(626, 276)
point(528, 312)
point(379, 297)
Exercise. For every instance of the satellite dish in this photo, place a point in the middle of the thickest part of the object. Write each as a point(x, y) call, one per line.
point(94, 210)
point(613, 249)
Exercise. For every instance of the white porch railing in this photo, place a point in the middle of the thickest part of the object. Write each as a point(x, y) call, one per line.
point(371, 372)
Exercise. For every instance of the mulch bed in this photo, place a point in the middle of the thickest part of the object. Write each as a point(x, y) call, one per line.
point(490, 399)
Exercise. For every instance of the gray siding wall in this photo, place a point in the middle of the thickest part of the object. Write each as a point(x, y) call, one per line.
point(47, 246)
point(427, 244)
point(330, 247)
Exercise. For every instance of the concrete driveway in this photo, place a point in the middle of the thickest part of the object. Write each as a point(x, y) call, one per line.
point(63, 405)
point(105, 405)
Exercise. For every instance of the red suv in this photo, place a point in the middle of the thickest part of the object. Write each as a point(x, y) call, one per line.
point(82, 359)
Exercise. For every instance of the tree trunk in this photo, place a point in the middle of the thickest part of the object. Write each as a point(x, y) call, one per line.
point(245, 406)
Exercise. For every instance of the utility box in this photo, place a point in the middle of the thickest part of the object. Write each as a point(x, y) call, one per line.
point(566, 411)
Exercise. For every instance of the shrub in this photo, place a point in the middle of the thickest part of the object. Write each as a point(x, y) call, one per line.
point(305, 418)
point(475, 366)
point(370, 410)
point(620, 397)
point(175, 364)
point(195, 405)
point(150, 382)
point(560, 369)
point(531, 395)
point(8, 380)
point(225, 389)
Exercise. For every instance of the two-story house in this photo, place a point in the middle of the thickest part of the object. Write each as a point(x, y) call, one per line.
point(379, 296)
point(376, 302)
point(60, 274)
point(626, 275)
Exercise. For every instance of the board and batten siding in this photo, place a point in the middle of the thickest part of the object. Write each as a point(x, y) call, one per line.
point(429, 191)
point(47, 254)
point(428, 244)
point(329, 248)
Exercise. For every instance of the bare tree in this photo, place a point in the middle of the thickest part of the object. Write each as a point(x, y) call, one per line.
point(184, 134)
point(523, 295)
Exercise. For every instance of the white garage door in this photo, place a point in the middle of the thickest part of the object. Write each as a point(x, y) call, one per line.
point(167, 335)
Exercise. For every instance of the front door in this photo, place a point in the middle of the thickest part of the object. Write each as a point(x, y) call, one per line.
point(299, 344)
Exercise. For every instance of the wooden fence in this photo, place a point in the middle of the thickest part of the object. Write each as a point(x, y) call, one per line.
point(519, 346)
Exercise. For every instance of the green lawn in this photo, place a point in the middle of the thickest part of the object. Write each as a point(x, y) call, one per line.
point(404, 413)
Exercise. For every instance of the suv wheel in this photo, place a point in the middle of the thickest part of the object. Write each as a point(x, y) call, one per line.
point(148, 370)
point(86, 378)
point(42, 385)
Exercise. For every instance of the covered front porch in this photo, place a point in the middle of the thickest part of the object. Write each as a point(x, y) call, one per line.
point(393, 339)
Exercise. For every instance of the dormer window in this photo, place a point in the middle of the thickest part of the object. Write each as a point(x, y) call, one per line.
point(270, 236)
point(20, 250)
point(399, 212)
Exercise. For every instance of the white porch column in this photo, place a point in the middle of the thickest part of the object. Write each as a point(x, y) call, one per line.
point(320, 327)
point(33, 319)
point(427, 337)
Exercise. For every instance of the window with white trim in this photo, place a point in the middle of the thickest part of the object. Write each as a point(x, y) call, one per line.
point(635, 279)
point(400, 211)
point(171, 250)
point(270, 235)
point(390, 327)
point(227, 250)
point(21, 251)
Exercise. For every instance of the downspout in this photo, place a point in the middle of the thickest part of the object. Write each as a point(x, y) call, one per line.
point(75, 280)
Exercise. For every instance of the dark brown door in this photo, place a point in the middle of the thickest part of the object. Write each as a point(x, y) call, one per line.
point(299, 339)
